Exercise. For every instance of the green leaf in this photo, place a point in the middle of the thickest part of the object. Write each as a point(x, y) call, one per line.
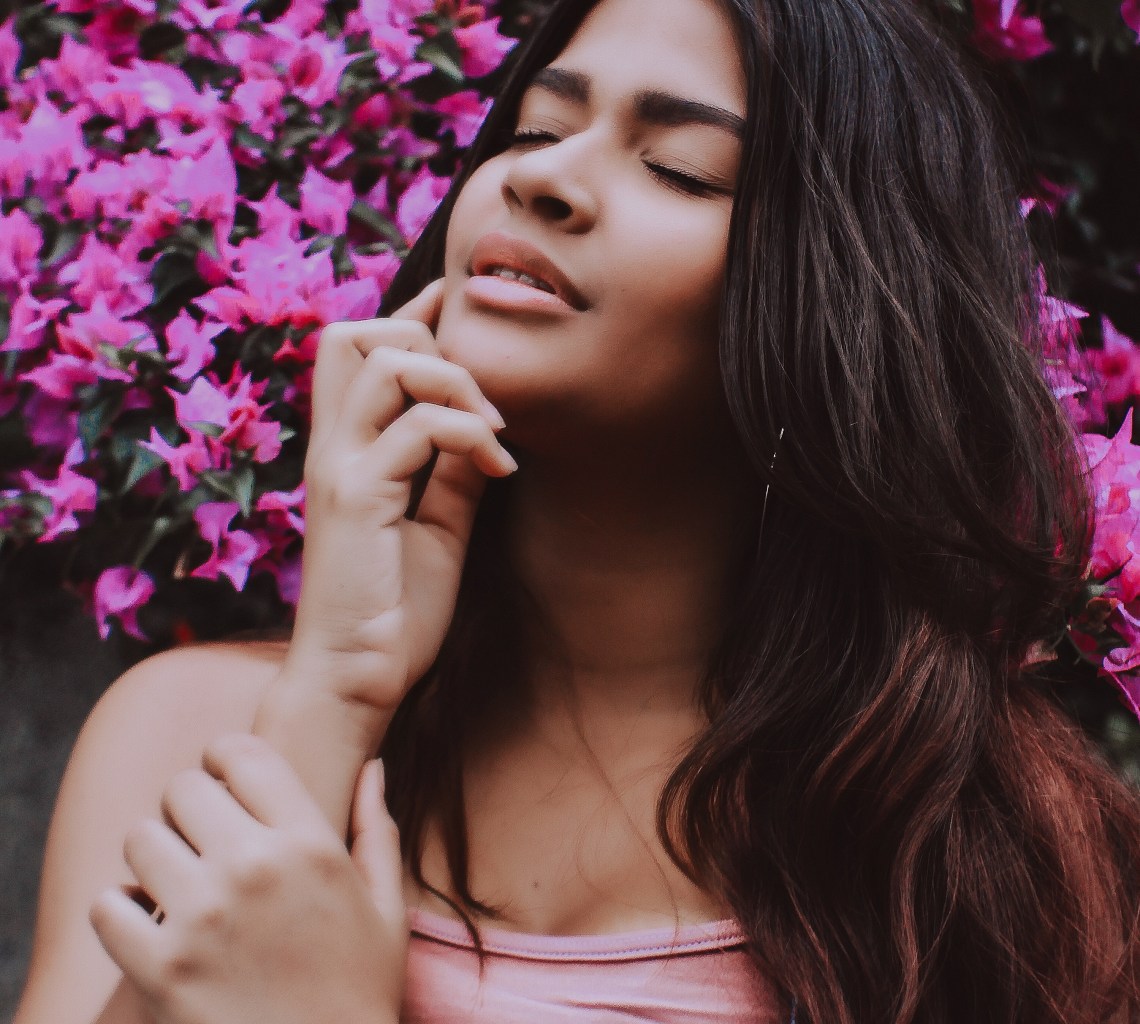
point(237, 485)
point(95, 419)
point(143, 461)
point(160, 526)
point(444, 62)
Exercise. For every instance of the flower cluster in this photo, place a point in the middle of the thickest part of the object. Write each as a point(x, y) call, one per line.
point(189, 191)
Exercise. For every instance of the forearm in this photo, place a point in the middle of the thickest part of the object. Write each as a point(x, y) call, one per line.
point(325, 738)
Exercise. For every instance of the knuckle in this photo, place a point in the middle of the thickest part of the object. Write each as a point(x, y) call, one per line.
point(256, 872)
point(324, 858)
point(139, 836)
point(181, 784)
point(234, 747)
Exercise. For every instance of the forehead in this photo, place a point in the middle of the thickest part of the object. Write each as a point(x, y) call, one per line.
point(686, 47)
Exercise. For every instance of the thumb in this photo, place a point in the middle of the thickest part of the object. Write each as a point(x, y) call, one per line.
point(375, 842)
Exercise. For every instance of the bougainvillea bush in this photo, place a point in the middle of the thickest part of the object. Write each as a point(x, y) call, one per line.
point(191, 189)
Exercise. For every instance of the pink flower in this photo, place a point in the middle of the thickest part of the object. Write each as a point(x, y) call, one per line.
point(152, 89)
point(86, 331)
point(1118, 365)
point(101, 279)
point(1130, 12)
point(185, 461)
point(380, 267)
point(463, 113)
point(1002, 33)
point(29, 317)
point(69, 492)
point(325, 203)
point(419, 201)
point(290, 505)
point(20, 242)
point(9, 53)
point(234, 408)
point(256, 103)
point(62, 375)
point(232, 551)
point(48, 147)
point(121, 591)
point(189, 347)
point(75, 70)
point(50, 423)
point(205, 404)
point(482, 46)
point(315, 68)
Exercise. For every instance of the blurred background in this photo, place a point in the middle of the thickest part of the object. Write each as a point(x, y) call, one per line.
point(190, 188)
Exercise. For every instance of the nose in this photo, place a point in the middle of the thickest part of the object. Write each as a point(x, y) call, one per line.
point(546, 183)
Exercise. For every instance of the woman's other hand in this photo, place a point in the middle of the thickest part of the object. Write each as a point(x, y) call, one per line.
point(266, 915)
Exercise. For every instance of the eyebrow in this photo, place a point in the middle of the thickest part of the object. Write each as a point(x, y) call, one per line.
point(650, 106)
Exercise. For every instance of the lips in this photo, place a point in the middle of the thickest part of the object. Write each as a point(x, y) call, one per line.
point(498, 249)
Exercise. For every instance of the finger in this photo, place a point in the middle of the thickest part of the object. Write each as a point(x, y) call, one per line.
point(262, 782)
point(164, 866)
point(390, 378)
point(128, 934)
point(204, 813)
point(376, 842)
point(425, 307)
point(451, 498)
point(411, 440)
point(340, 354)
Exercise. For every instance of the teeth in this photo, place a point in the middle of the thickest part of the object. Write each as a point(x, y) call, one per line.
point(516, 275)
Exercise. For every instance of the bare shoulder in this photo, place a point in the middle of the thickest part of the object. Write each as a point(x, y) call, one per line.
point(151, 723)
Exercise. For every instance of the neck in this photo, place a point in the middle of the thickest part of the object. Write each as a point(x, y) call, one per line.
point(630, 562)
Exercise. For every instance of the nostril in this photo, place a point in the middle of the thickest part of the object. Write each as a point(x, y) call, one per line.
point(552, 207)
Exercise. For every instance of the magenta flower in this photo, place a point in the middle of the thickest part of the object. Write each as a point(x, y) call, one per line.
point(62, 375)
point(121, 591)
point(103, 281)
point(1130, 12)
point(1117, 364)
point(289, 504)
point(232, 551)
point(20, 242)
point(46, 149)
point(68, 492)
point(325, 203)
point(29, 317)
point(189, 346)
point(9, 53)
point(463, 113)
point(185, 461)
point(419, 201)
point(482, 46)
point(1002, 33)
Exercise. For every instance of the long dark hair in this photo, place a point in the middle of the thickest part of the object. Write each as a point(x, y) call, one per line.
point(900, 817)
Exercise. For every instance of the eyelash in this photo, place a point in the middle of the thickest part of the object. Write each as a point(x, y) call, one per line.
point(668, 176)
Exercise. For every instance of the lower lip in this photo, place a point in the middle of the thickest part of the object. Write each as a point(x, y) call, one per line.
point(513, 297)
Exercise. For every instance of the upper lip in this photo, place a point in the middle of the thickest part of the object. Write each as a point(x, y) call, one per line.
point(498, 249)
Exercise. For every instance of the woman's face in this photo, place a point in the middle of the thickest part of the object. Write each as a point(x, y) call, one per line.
point(616, 194)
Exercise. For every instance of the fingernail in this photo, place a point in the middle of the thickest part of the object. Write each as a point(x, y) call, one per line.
point(494, 415)
point(508, 462)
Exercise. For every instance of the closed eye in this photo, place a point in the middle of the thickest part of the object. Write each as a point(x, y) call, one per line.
point(669, 176)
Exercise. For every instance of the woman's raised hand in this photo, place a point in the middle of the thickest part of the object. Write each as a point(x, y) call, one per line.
point(266, 916)
point(378, 588)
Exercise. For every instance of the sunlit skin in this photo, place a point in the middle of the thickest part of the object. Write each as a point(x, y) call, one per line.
point(627, 508)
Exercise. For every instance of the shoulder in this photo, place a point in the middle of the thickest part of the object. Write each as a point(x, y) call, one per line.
point(151, 723)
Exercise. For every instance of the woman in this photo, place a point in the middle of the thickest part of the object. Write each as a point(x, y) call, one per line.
point(721, 697)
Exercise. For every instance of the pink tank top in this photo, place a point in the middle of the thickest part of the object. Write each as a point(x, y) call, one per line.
point(694, 974)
